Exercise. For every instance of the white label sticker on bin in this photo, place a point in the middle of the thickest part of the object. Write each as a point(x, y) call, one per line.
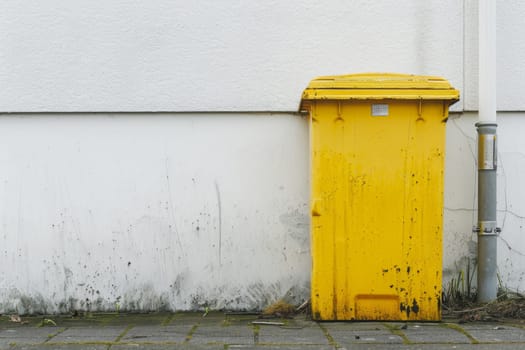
point(379, 110)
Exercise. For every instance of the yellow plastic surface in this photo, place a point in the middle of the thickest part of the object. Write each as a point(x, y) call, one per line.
point(374, 86)
point(377, 208)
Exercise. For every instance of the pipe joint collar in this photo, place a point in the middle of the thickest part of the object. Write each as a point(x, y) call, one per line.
point(487, 126)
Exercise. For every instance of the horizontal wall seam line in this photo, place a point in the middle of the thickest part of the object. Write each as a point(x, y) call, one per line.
point(154, 112)
point(204, 112)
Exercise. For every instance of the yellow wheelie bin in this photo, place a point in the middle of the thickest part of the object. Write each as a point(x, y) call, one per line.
point(377, 162)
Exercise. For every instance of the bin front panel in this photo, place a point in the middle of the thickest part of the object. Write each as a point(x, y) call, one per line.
point(377, 209)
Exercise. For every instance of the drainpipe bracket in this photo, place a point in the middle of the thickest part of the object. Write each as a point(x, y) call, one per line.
point(487, 228)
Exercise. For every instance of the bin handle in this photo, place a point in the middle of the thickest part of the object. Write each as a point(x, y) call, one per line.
point(316, 207)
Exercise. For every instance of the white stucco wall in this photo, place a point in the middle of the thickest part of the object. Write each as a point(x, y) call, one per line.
point(180, 211)
point(160, 55)
point(509, 56)
point(461, 201)
point(173, 211)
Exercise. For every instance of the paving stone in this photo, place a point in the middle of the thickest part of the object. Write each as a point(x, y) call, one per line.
point(26, 335)
point(144, 319)
point(4, 344)
point(434, 333)
point(276, 347)
point(199, 318)
point(381, 347)
point(436, 347)
point(83, 320)
point(142, 334)
point(354, 326)
point(493, 333)
point(86, 334)
point(60, 347)
point(345, 333)
point(292, 335)
point(281, 347)
point(344, 338)
point(26, 322)
point(206, 334)
point(168, 347)
point(240, 319)
point(483, 326)
point(215, 331)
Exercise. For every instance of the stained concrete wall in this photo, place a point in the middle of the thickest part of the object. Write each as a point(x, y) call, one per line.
point(461, 201)
point(206, 204)
point(169, 211)
point(183, 211)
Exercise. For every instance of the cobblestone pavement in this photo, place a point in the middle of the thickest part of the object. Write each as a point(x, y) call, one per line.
point(229, 331)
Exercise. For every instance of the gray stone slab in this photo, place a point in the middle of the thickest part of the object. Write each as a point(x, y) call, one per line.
point(60, 347)
point(300, 322)
point(4, 344)
point(146, 319)
point(412, 325)
point(346, 333)
point(196, 318)
point(168, 347)
point(344, 338)
point(493, 333)
point(87, 334)
point(142, 334)
point(206, 334)
point(275, 347)
point(357, 326)
point(436, 347)
point(434, 333)
point(485, 326)
point(26, 335)
point(117, 347)
point(281, 347)
point(28, 332)
point(292, 335)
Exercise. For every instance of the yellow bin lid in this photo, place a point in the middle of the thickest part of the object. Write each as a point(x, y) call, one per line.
point(380, 86)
